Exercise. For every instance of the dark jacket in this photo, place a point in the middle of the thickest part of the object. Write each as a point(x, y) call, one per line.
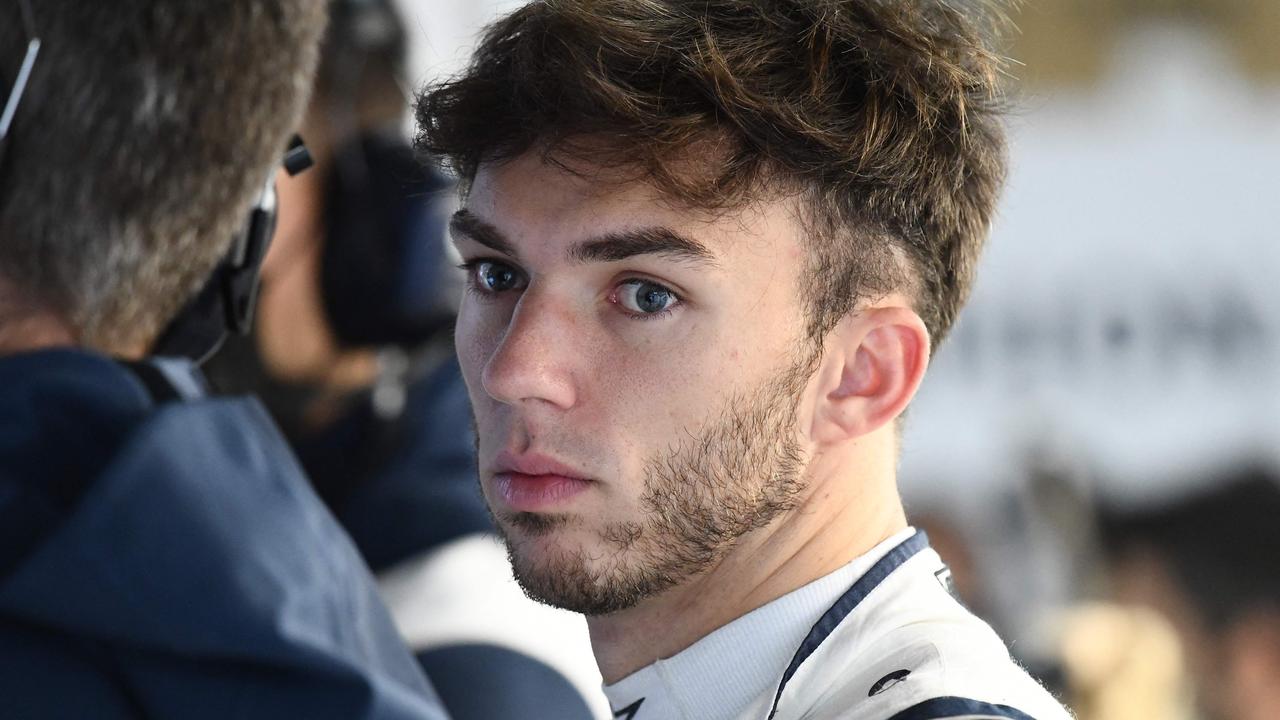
point(170, 560)
point(406, 488)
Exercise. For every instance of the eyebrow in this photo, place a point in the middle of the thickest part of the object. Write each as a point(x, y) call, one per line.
point(464, 223)
point(610, 247)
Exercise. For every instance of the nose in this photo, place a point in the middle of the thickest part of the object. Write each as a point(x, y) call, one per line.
point(534, 360)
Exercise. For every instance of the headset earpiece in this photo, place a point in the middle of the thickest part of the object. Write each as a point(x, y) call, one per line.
point(229, 297)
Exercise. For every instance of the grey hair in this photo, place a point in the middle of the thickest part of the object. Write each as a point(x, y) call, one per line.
point(147, 129)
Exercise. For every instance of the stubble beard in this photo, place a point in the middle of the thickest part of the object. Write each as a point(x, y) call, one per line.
point(740, 473)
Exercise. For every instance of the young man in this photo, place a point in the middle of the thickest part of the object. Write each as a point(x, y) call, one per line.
point(161, 555)
point(710, 247)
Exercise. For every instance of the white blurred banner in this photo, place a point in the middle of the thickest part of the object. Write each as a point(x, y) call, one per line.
point(443, 32)
point(1126, 312)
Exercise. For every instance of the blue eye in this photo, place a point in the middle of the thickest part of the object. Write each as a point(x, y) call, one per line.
point(645, 298)
point(494, 277)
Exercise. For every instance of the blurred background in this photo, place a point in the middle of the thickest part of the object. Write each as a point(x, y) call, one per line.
point(1095, 450)
point(1098, 439)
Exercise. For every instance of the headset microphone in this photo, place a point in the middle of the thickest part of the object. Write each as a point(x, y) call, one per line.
point(24, 73)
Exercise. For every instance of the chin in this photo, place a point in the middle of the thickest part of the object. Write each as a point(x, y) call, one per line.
point(534, 540)
point(562, 564)
point(534, 525)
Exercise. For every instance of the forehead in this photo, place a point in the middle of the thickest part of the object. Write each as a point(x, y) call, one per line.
point(536, 202)
point(532, 193)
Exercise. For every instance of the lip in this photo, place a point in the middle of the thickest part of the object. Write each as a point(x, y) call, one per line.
point(536, 483)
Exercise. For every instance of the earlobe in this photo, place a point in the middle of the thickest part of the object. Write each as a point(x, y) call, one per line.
point(886, 351)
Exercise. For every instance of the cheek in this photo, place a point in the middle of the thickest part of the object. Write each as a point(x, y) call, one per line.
point(657, 380)
point(476, 337)
point(674, 383)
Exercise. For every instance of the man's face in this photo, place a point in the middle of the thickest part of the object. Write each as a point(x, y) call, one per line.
point(634, 371)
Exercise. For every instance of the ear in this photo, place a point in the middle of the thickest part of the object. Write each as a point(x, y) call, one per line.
point(876, 359)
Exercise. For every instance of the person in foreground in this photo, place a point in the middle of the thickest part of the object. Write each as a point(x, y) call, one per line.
point(710, 247)
point(161, 554)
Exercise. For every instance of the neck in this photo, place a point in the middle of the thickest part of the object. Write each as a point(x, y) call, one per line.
point(838, 519)
point(27, 326)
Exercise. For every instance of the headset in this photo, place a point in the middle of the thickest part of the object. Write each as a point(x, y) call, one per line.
point(229, 297)
point(385, 278)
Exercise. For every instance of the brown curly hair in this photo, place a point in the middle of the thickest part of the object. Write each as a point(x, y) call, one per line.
point(882, 116)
